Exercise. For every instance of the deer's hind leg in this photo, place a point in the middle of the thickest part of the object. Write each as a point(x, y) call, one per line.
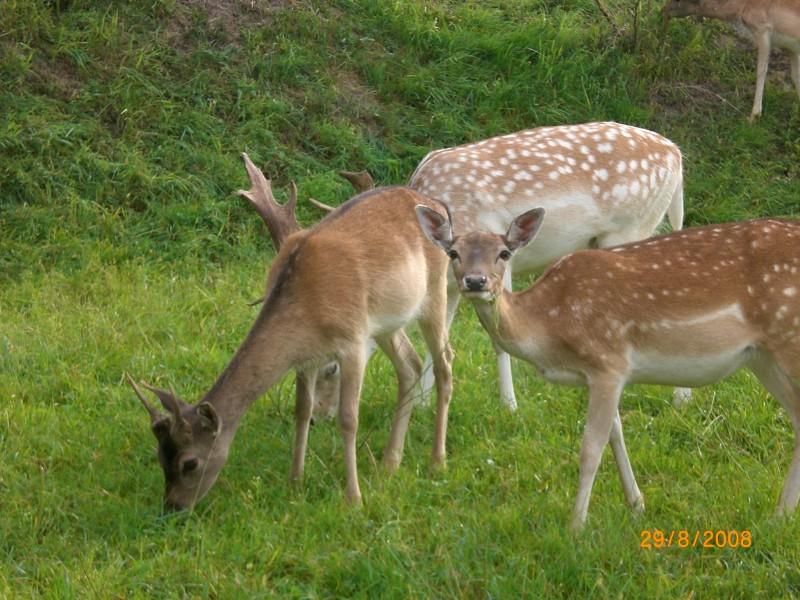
point(783, 385)
point(408, 367)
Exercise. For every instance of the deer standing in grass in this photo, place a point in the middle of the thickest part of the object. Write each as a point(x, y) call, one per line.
point(601, 184)
point(362, 273)
point(766, 22)
point(685, 309)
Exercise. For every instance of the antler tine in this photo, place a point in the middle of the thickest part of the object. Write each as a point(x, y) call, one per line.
point(292, 203)
point(322, 205)
point(169, 400)
point(154, 414)
point(280, 220)
point(361, 180)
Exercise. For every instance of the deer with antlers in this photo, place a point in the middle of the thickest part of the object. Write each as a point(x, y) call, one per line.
point(766, 22)
point(361, 274)
point(602, 184)
point(685, 309)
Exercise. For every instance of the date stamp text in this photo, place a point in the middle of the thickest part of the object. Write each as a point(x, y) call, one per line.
point(656, 539)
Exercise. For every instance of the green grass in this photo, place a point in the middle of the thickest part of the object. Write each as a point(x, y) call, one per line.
point(122, 248)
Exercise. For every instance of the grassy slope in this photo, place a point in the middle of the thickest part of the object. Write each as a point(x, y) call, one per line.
point(123, 249)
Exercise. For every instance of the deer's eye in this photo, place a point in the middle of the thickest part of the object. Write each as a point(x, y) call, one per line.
point(190, 465)
point(504, 255)
point(452, 254)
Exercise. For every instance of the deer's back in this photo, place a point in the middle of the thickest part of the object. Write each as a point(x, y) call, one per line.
point(592, 179)
point(367, 266)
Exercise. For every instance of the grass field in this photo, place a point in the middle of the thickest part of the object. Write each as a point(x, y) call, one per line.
point(122, 248)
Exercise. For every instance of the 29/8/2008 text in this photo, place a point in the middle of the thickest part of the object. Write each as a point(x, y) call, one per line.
point(655, 539)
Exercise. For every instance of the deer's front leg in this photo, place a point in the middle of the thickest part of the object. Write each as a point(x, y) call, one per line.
point(352, 366)
point(632, 492)
point(507, 395)
point(303, 407)
point(763, 46)
point(604, 394)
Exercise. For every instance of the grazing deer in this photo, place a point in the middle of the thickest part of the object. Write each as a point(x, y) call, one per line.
point(362, 273)
point(602, 184)
point(686, 309)
point(766, 22)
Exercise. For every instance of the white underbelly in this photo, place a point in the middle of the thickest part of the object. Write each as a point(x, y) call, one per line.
point(686, 370)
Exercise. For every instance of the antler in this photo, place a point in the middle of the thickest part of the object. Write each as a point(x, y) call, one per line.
point(322, 205)
point(154, 414)
point(281, 220)
point(170, 402)
point(361, 180)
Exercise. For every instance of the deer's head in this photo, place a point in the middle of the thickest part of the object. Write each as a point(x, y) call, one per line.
point(188, 446)
point(479, 259)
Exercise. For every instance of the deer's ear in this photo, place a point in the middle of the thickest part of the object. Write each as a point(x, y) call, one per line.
point(523, 229)
point(435, 226)
point(209, 419)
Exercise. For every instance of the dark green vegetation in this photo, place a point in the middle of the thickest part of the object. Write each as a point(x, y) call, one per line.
point(123, 249)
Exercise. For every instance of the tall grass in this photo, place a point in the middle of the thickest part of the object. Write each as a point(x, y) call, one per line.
point(122, 248)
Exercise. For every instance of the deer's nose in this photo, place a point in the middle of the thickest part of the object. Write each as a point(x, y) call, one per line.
point(475, 283)
point(170, 506)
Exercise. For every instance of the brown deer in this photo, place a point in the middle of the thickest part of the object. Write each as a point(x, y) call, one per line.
point(686, 309)
point(766, 22)
point(362, 273)
point(601, 183)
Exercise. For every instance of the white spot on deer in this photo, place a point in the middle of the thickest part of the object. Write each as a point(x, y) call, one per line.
point(621, 166)
point(790, 291)
point(600, 174)
point(633, 165)
point(509, 186)
point(553, 312)
point(605, 148)
point(585, 166)
point(553, 175)
point(620, 191)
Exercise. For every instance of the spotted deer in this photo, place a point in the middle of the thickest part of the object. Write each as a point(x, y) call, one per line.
point(687, 308)
point(766, 22)
point(602, 184)
point(362, 273)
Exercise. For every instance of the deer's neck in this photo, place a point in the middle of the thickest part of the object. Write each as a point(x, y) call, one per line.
point(267, 353)
point(509, 324)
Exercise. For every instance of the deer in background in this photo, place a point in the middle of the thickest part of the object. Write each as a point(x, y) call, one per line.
point(602, 184)
point(362, 273)
point(687, 309)
point(766, 22)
